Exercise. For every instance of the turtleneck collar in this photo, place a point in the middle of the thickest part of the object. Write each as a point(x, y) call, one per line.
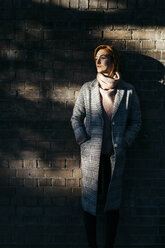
point(106, 82)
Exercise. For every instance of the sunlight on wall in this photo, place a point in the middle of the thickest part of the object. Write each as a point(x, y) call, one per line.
point(85, 4)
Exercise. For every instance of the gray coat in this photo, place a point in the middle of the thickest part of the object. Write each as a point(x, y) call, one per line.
point(87, 122)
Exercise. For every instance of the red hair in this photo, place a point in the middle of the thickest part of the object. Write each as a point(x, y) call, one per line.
point(114, 57)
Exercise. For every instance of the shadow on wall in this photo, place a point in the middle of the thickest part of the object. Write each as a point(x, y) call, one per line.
point(144, 167)
point(46, 54)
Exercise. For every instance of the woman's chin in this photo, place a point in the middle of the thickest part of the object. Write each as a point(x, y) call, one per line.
point(100, 70)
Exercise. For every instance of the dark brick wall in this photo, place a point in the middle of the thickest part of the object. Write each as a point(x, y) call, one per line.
point(46, 54)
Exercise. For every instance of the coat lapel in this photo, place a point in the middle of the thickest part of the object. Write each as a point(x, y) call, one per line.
point(118, 98)
point(96, 98)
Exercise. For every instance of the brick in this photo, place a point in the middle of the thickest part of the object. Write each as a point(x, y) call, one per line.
point(4, 163)
point(43, 163)
point(32, 94)
point(117, 35)
point(156, 55)
point(30, 173)
point(72, 183)
point(95, 34)
point(17, 85)
point(44, 182)
point(7, 172)
point(103, 4)
point(57, 191)
point(163, 34)
point(16, 182)
point(26, 193)
point(29, 182)
point(58, 155)
point(56, 2)
point(112, 4)
point(76, 191)
point(63, 93)
point(47, 85)
point(143, 35)
point(31, 85)
point(93, 4)
point(163, 55)
point(28, 134)
point(60, 200)
point(33, 34)
point(43, 145)
point(83, 4)
point(74, 4)
point(134, 27)
point(148, 45)
point(58, 182)
point(120, 27)
point(64, 173)
point(57, 146)
point(160, 45)
point(121, 45)
point(58, 163)
point(29, 163)
point(64, 3)
point(72, 163)
point(122, 5)
point(77, 173)
point(133, 45)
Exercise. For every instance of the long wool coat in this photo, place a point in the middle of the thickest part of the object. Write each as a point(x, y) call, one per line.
point(87, 122)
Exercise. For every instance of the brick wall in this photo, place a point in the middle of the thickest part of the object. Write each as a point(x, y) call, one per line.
point(46, 54)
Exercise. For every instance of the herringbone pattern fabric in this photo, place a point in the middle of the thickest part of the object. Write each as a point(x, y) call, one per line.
point(87, 122)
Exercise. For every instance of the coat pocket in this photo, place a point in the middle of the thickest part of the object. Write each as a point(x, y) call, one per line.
point(85, 148)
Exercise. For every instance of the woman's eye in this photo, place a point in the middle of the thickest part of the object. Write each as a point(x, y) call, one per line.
point(102, 57)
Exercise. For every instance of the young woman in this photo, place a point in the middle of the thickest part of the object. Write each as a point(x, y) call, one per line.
point(106, 118)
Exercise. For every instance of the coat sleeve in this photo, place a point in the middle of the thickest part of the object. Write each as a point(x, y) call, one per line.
point(77, 119)
point(134, 119)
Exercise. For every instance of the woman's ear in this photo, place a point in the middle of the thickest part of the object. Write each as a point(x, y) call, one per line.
point(116, 75)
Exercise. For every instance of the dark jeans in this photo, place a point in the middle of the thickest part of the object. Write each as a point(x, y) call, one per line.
point(111, 217)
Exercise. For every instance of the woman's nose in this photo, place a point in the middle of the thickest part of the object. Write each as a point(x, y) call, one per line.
point(98, 61)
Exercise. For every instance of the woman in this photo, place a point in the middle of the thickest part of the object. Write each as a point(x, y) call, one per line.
point(106, 118)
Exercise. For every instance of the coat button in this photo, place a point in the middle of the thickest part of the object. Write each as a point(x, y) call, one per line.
point(115, 145)
point(113, 123)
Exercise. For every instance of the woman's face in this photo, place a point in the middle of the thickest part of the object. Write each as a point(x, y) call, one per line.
point(103, 63)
